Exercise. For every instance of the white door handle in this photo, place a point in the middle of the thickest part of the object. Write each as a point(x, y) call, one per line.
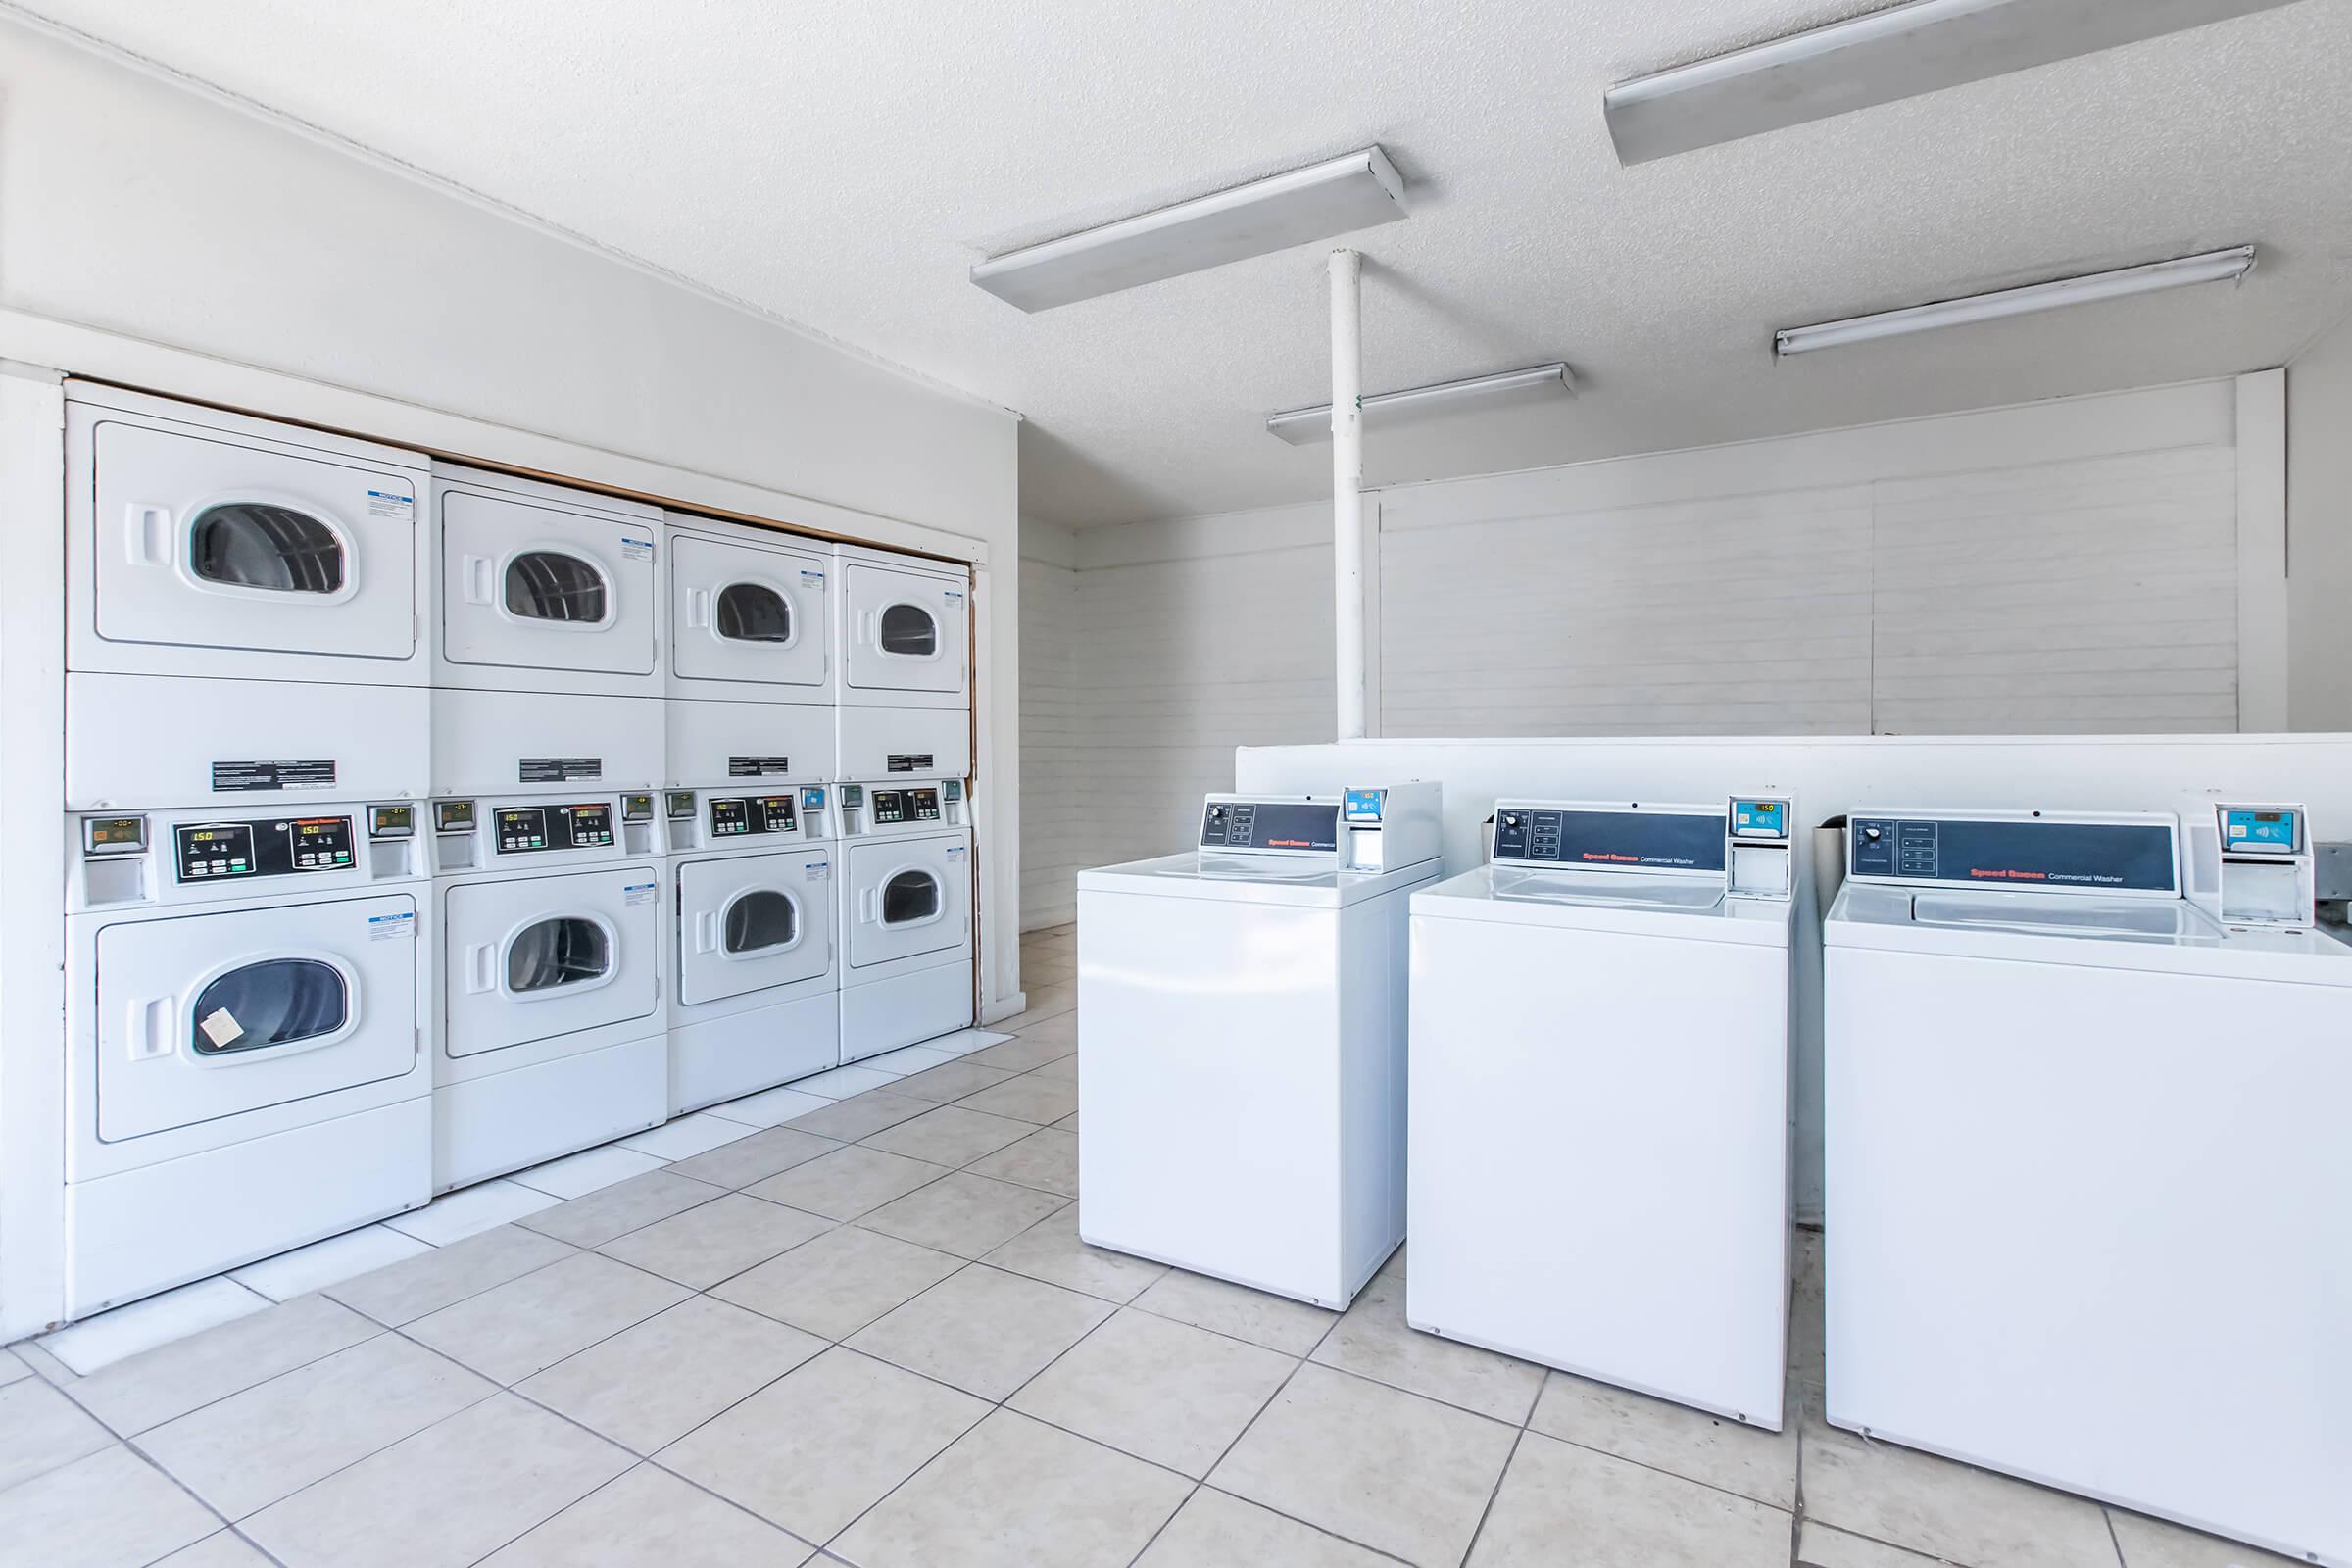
point(476, 576)
point(705, 931)
point(869, 905)
point(143, 531)
point(698, 607)
point(145, 1028)
point(478, 966)
point(866, 626)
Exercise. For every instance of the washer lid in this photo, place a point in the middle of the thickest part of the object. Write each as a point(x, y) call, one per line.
point(1692, 907)
point(1311, 881)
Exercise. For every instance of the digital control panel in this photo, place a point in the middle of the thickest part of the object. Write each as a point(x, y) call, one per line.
point(1363, 805)
point(903, 806)
point(114, 835)
point(2027, 852)
point(812, 797)
point(452, 816)
point(1601, 839)
point(1297, 826)
point(2261, 830)
point(391, 821)
point(534, 829)
point(734, 815)
point(207, 851)
point(680, 806)
point(1759, 819)
point(637, 807)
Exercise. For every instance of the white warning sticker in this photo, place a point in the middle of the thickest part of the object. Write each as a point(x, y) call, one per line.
point(638, 893)
point(391, 504)
point(391, 927)
point(636, 549)
point(817, 871)
point(221, 1027)
point(954, 597)
point(812, 579)
point(954, 852)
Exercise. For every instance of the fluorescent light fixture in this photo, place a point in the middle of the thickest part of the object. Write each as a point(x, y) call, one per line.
point(1334, 197)
point(1538, 383)
point(2212, 266)
point(1899, 52)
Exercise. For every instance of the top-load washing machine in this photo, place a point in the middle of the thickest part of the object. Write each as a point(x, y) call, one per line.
point(554, 926)
point(904, 882)
point(245, 605)
point(1598, 1176)
point(248, 1023)
point(2085, 1086)
point(904, 633)
point(751, 662)
point(1242, 1040)
point(549, 655)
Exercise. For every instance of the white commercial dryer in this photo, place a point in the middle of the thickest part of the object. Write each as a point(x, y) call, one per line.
point(247, 1017)
point(752, 671)
point(244, 609)
point(905, 911)
point(549, 659)
point(905, 666)
point(2087, 1169)
point(1242, 1040)
point(757, 1000)
point(1599, 1175)
point(552, 1033)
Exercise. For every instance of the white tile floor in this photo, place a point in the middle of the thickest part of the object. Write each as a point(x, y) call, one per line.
point(865, 1331)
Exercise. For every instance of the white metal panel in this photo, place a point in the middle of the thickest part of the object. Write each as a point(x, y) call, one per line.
point(907, 631)
point(531, 589)
point(883, 743)
point(500, 741)
point(1606, 1193)
point(749, 613)
point(2093, 596)
point(156, 740)
point(165, 1062)
point(937, 874)
point(713, 962)
point(2021, 1197)
point(315, 551)
point(482, 923)
point(736, 743)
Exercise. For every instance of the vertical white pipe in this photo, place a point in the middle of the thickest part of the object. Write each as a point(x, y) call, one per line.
point(1347, 486)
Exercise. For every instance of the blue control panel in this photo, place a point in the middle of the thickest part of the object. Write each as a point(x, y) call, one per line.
point(1601, 840)
point(813, 799)
point(2261, 830)
point(1363, 805)
point(1759, 819)
point(2016, 852)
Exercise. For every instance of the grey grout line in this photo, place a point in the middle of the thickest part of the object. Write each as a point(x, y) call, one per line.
point(1496, 1490)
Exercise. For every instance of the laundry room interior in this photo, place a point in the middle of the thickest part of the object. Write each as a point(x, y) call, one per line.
point(1108, 787)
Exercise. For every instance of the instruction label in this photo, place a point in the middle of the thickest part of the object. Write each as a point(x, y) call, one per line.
point(638, 893)
point(391, 504)
point(559, 769)
point(636, 549)
point(241, 777)
point(817, 871)
point(391, 927)
point(758, 766)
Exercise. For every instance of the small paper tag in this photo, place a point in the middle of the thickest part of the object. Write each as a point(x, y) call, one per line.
point(391, 927)
point(638, 893)
point(812, 579)
point(636, 549)
point(220, 1028)
point(954, 852)
point(953, 597)
point(391, 504)
point(817, 871)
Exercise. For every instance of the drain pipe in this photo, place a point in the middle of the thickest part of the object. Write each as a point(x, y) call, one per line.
point(1347, 486)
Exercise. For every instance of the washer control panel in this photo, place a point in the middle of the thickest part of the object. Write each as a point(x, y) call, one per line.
point(535, 829)
point(734, 815)
point(2030, 851)
point(906, 805)
point(1293, 828)
point(1674, 840)
point(207, 851)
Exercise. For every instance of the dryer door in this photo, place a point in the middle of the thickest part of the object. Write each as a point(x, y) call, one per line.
point(201, 542)
point(907, 897)
point(534, 587)
point(542, 956)
point(753, 921)
point(742, 612)
point(906, 630)
point(207, 1015)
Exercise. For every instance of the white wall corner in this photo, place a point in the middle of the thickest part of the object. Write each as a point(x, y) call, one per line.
point(2263, 640)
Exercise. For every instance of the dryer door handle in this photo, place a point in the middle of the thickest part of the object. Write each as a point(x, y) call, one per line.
point(705, 931)
point(866, 626)
point(698, 607)
point(146, 1030)
point(144, 528)
point(480, 966)
point(869, 905)
point(475, 579)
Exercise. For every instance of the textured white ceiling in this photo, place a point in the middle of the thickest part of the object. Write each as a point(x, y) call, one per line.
point(842, 163)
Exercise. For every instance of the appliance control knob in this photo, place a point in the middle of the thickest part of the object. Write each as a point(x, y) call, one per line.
point(1511, 821)
point(1870, 832)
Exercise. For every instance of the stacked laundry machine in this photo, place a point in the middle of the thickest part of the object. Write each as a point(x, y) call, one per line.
point(429, 823)
point(250, 964)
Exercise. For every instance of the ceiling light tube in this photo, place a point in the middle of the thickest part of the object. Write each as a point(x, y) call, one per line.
point(1898, 52)
point(2212, 266)
point(1538, 383)
point(1337, 196)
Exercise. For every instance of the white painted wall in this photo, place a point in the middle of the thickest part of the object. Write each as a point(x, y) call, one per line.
point(2319, 509)
point(1052, 755)
point(1829, 777)
point(155, 234)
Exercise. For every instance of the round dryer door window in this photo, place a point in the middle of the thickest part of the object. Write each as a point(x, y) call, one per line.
point(567, 951)
point(550, 585)
point(909, 631)
point(910, 897)
point(753, 612)
point(761, 920)
point(275, 1002)
point(276, 548)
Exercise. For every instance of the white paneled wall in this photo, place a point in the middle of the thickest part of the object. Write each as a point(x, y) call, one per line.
point(2062, 567)
point(1052, 728)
